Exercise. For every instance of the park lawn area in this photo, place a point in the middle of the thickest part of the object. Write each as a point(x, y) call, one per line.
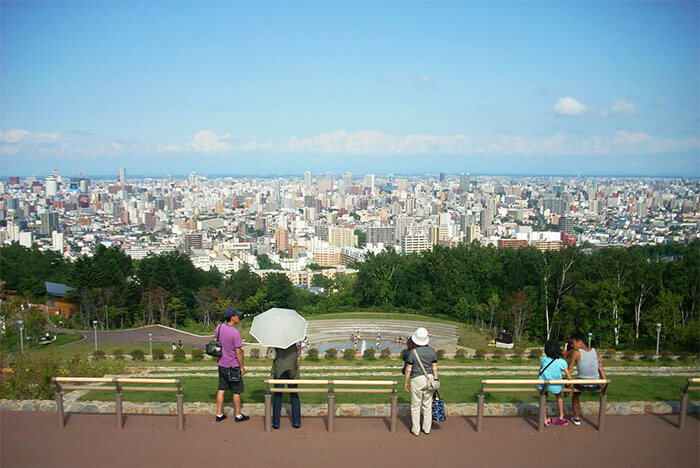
point(455, 389)
point(12, 345)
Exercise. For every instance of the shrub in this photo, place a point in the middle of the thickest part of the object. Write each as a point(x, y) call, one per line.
point(179, 354)
point(649, 354)
point(255, 353)
point(535, 353)
point(440, 353)
point(518, 352)
point(610, 354)
point(158, 354)
point(480, 353)
point(629, 354)
point(385, 353)
point(312, 354)
point(349, 354)
point(137, 355)
point(667, 355)
point(499, 353)
point(98, 354)
point(686, 355)
point(368, 354)
point(331, 353)
point(118, 354)
point(197, 353)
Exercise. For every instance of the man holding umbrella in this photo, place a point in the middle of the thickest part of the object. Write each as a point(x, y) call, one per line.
point(231, 370)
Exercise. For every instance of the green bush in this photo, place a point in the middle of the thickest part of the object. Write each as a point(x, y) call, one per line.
point(610, 354)
point(686, 355)
point(518, 352)
point(197, 353)
point(118, 354)
point(535, 353)
point(629, 354)
point(649, 354)
point(98, 354)
point(440, 353)
point(667, 355)
point(312, 354)
point(369, 353)
point(385, 353)
point(480, 353)
point(255, 353)
point(179, 354)
point(137, 355)
point(158, 354)
point(349, 354)
point(499, 353)
point(331, 353)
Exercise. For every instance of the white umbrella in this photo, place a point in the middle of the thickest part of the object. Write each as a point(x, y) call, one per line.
point(278, 328)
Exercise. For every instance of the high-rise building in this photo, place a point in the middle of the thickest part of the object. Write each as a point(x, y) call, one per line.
point(57, 242)
point(51, 186)
point(464, 181)
point(472, 233)
point(341, 237)
point(415, 242)
point(485, 218)
point(281, 239)
point(442, 177)
point(25, 239)
point(566, 224)
point(383, 235)
point(192, 241)
point(369, 183)
point(308, 179)
point(122, 176)
point(347, 182)
point(49, 222)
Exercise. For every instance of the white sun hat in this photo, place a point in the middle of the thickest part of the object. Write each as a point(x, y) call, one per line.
point(420, 337)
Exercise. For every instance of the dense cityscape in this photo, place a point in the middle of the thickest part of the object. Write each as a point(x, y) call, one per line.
point(298, 224)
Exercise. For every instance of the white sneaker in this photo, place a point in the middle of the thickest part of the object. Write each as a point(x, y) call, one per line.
point(576, 421)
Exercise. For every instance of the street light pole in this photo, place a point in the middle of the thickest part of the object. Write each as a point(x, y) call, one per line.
point(658, 337)
point(107, 318)
point(94, 325)
point(150, 344)
point(21, 336)
point(590, 335)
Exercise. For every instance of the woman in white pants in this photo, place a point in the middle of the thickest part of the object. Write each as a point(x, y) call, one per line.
point(416, 369)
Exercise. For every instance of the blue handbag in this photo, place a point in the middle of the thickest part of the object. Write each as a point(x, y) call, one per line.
point(438, 408)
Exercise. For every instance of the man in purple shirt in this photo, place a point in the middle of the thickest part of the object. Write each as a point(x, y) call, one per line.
point(231, 370)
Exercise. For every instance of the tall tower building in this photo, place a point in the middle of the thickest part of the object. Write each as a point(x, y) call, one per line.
point(51, 186)
point(308, 179)
point(122, 176)
point(49, 222)
point(369, 182)
point(282, 239)
point(347, 182)
point(464, 181)
point(192, 241)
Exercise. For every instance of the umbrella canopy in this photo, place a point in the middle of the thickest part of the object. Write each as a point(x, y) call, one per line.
point(278, 328)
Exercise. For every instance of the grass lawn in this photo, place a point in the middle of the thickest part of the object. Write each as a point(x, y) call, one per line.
point(455, 389)
point(12, 345)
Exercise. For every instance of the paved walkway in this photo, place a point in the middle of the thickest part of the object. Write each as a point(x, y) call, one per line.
point(34, 439)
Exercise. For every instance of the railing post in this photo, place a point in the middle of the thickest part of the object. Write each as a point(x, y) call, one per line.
point(683, 409)
point(394, 410)
point(59, 407)
point(118, 401)
point(331, 410)
point(268, 407)
point(480, 412)
point(543, 410)
point(180, 409)
point(602, 409)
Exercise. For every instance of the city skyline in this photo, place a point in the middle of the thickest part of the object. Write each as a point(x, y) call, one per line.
point(604, 89)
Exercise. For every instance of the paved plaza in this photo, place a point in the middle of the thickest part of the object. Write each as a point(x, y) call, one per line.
point(34, 439)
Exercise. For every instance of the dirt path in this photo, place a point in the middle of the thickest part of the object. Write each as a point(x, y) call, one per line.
point(34, 439)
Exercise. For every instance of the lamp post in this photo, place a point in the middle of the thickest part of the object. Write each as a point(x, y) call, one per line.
point(21, 336)
point(658, 337)
point(94, 325)
point(106, 318)
point(590, 335)
point(150, 344)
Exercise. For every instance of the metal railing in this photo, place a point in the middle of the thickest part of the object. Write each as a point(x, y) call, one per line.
point(119, 386)
point(331, 387)
point(529, 385)
point(684, 399)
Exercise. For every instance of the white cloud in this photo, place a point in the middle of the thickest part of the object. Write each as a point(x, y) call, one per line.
point(568, 106)
point(423, 79)
point(206, 141)
point(13, 141)
point(619, 106)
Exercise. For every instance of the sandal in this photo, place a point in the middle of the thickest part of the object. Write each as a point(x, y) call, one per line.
point(560, 422)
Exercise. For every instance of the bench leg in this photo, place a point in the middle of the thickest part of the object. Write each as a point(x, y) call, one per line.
point(682, 410)
point(59, 409)
point(331, 412)
point(601, 411)
point(480, 413)
point(268, 412)
point(180, 412)
point(394, 411)
point(543, 411)
point(118, 405)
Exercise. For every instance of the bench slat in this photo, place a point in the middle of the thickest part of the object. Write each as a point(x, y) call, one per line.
point(549, 382)
point(329, 382)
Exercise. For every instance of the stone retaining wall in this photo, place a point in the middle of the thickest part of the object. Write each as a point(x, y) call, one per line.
point(347, 409)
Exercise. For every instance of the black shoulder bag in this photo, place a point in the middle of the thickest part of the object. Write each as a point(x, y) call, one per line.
point(214, 348)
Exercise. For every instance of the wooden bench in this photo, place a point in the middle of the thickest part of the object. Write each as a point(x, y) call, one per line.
point(530, 385)
point(165, 385)
point(331, 387)
point(684, 399)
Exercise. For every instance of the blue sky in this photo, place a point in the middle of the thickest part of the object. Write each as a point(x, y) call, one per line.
point(258, 88)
